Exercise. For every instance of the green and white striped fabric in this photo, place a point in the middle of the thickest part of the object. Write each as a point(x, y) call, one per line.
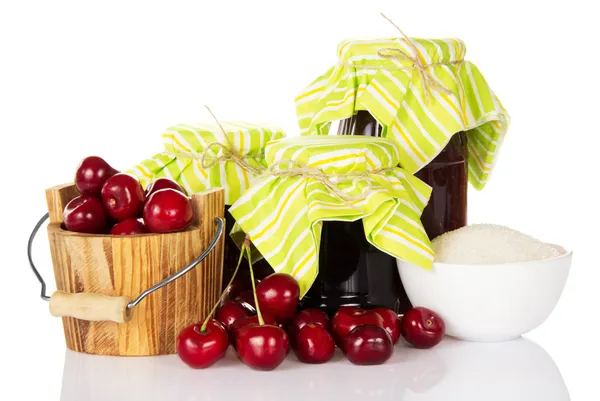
point(185, 144)
point(392, 91)
point(283, 215)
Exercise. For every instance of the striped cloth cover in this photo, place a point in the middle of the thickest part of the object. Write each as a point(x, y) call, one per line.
point(185, 144)
point(392, 91)
point(283, 215)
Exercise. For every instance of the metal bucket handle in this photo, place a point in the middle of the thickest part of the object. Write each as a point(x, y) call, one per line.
point(98, 307)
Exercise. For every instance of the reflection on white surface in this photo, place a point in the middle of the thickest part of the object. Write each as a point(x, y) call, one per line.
point(514, 370)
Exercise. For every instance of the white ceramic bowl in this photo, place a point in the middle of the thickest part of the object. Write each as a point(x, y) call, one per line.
point(493, 302)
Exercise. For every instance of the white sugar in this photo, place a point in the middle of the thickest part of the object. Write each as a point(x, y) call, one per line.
point(490, 244)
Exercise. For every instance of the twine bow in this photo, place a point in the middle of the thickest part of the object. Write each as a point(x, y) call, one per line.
point(328, 180)
point(228, 153)
point(428, 81)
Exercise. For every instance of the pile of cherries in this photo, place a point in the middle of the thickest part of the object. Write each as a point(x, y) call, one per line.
point(263, 334)
point(116, 203)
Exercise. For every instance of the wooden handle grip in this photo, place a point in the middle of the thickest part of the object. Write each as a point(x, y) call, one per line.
point(91, 307)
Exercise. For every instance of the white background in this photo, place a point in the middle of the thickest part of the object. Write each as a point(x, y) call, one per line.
point(80, 78)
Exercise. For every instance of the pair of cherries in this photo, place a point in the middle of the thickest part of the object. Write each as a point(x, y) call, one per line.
point(259, 340)
point(109, 195)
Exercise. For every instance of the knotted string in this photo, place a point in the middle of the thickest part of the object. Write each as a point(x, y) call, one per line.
point(228, 153)
point(427, 79)
point(328, 180)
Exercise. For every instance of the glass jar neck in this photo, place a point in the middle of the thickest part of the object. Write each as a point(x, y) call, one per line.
point(362, 123)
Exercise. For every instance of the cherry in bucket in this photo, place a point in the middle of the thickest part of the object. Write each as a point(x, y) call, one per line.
point(422, 328)
point(200, 346)
point(278, 295)
point(129, 227)
point(85, 214)
point(91, 175)
point(163, 183)
point(168, 210)
point(123, 196)
point(368, 345)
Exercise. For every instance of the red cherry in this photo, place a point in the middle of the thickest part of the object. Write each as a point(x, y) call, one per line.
point(246, 298)
point(85, 214)
point(123, 196)
point(241, 284)
point(306, 316)
point(349, 317)
point(163, 183)
point(91, 174)
point(242, 322)
point(422, 328)
point(241, 288)
point(129, 227)
point(238, 285)
point(262, 347)
point(313, 344)
point(230, 312)
point(391, 322)
point(368, 345)
point(168, 211)
point(278, 295)
point(201, 349)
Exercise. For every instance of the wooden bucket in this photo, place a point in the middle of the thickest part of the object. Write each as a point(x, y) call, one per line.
point(125, 295)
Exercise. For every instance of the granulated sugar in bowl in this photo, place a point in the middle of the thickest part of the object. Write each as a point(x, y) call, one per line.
point(489, 282)
point(490, 243)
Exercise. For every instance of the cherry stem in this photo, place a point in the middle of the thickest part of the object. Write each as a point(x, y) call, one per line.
point(261, 322)
point(214, 309)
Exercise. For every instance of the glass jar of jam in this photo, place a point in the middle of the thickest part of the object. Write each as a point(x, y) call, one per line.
point(446, 174)
point(351, 270)
point(354, 272)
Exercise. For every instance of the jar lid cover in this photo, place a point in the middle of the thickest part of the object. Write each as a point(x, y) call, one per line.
point(309, 180)
point(422, 92)
point(185, 146)
point(335, 154)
